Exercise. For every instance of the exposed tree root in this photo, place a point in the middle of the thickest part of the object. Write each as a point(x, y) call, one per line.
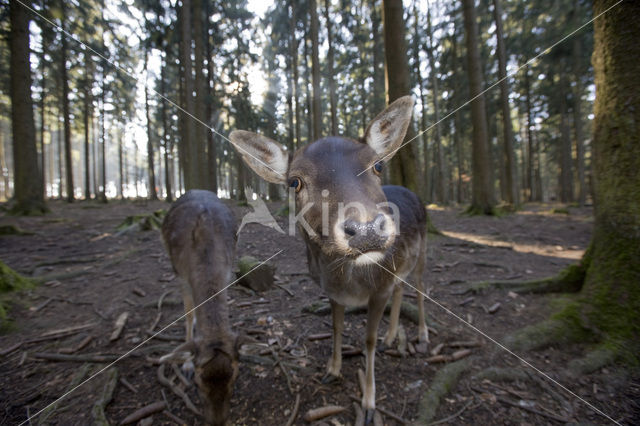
point(601, 356)
point(569, 280)
point(443, 382)
point(99, 417)
point(545, 333)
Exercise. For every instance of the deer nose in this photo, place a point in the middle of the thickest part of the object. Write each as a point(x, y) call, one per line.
point(366, 236)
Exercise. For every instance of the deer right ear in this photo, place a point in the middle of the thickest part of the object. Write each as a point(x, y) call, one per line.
point(266, 157)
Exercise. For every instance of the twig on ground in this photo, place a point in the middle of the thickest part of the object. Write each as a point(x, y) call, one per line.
point(144, 412)
point(283, 288)
point(97, 412)
point(128, 385)
point(322, 412)
point(75, 358)
point(173, 417)
point(10, 349)
point(453, 416)
point(294, 412)
point(384, 411)
point(78, 347)
point(187, 401)
point(533, 410)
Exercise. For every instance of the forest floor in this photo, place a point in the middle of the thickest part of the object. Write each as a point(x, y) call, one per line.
point(103, 274)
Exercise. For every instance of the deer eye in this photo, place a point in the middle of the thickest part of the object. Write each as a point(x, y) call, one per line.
point(296, 184)
point(377, 168)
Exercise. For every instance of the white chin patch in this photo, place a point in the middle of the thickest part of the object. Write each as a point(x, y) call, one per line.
point(369, 258)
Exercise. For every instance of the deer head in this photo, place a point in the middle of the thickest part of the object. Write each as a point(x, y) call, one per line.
point(337, 183)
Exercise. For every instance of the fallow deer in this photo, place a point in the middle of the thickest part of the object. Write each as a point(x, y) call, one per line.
point(199, 232)
point(356, 249)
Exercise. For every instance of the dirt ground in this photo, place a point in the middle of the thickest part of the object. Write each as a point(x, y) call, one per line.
point(102, 274)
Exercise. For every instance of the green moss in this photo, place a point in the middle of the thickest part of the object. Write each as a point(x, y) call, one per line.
point(444, 381)
point(13, 230)
point(560, 210)
point(143, 222)
point(10, 281)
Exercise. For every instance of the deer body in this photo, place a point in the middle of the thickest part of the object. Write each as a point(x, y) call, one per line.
point(199, 233)
point(362, 238)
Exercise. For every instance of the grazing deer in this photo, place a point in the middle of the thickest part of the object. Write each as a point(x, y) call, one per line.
point(199, 232)
point(356, 250)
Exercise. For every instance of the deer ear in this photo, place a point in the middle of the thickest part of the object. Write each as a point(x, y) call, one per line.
point(266, 157)
point(386, 132)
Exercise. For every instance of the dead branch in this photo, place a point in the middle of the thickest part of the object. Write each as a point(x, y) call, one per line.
point(128, 385)
point(533, 410)
point(10, 349)
point(359, 415)
point(166, 382)
point(453, 416)
point(319, 336)
point(180, 376)
point(173, 417)
point(75, 328)
point(144, 412)
point(98, 414)
point(75, 358)
point(283, 288)
point(78, 347)
point(119, 326)
point(322, 412)
point(294, 413)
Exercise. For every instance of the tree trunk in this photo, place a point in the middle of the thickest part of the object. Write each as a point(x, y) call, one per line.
point(482, 187)
point(165, 132)
point(43, 97)
point(306, 84)
point(65, 109)
point(577, 111)
point(611, 300)
point(423, 116)
point(294, 65)
point(509, 159)
point(120, 187)
point(103, 136)
point(212, 160)
point(377, 104)
point(153, 195)
point(315, 71)
point(199, 141)
point(86, 107)
point(566, 172)
point(28, 189)
point(441, 181)
point(190, 160)
point(398, 84)
point(530, 151)
point(330, 76)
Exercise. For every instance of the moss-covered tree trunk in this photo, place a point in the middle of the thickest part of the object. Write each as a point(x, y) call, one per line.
point(611, 302)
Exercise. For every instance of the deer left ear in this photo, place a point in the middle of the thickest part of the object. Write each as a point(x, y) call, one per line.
point(387, 131)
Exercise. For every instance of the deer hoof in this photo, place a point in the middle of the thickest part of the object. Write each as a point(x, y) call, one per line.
point(369, 414)
point(188, 369)
point(329, 378)
point(422, 347)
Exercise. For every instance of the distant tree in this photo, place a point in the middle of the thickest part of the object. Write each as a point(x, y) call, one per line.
point(28, 186)
point(510, 174)
point(315, 71)
point(482, 186)
point(398, 84)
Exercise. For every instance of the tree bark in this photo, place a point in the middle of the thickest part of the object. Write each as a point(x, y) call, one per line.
point(441, 181)
point(65, 109)
point(530, 143)
point(482, 186)
point(199, 141)
point(294, 65)
point(423, 116)
point(86, 102)
point(28, 189)
point(577, 110)
point(315, 71)
point(153, 194)
point(611, 300)
point(398, 84)
point(510, 174)
point(165, 132)
point(566, 172)
point(330, 76)
point(190, 160)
